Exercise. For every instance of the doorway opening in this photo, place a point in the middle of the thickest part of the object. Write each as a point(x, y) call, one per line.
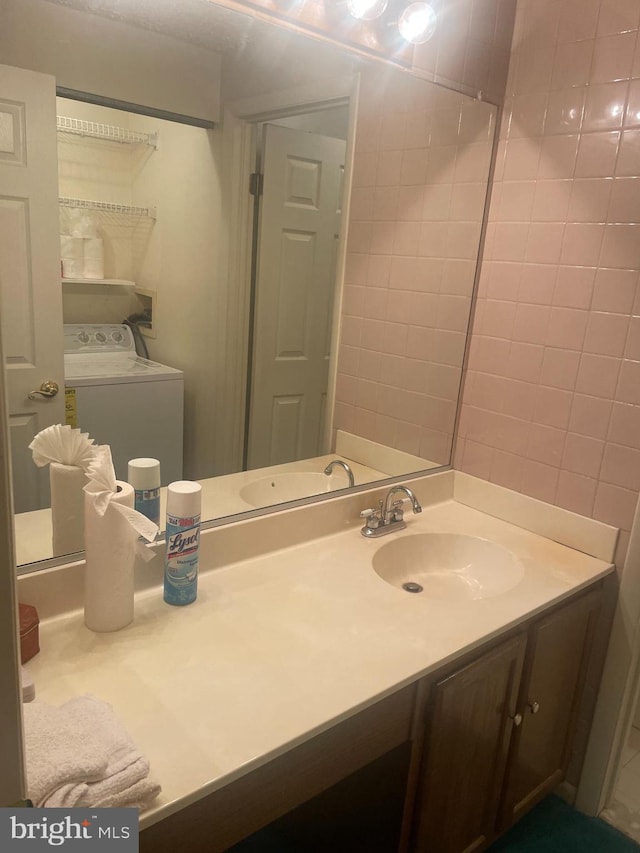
point(298, 188)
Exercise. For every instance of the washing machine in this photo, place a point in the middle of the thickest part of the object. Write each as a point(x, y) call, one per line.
point(130, 403)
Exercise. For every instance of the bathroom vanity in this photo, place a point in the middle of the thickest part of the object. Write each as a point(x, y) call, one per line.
point(499, 729)
point(469, 747)
point(305, 692)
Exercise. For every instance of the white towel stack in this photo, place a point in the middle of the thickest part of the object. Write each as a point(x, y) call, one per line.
point(79, 754)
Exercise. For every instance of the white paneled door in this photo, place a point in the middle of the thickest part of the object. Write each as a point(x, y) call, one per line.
point(295, 280)
point(12, 781)
point(30, 290)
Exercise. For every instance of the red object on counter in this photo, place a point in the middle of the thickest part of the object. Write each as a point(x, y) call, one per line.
point(29, 634)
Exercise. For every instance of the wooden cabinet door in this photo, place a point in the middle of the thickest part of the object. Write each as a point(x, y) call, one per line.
point(468, 731)
point(552, 684)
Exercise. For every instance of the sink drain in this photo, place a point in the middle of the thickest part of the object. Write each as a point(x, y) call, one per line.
point(410, 586)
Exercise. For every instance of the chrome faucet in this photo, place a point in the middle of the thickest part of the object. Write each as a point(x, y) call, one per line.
point(344, 465)
point(390, 514)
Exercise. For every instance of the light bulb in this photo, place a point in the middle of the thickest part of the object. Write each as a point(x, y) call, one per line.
point(366, 10)
point(417, 23)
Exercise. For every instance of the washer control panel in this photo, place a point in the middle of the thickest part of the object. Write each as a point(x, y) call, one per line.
point(97, 338)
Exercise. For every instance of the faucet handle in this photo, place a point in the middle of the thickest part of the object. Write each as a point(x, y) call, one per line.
point(373, 517)
point(397, 510)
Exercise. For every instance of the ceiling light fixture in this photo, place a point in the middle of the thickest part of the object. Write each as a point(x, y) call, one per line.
point(417, 23)
point(366, 10)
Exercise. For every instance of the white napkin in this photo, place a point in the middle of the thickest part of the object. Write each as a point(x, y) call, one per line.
point(102, 488)
point(63, 444)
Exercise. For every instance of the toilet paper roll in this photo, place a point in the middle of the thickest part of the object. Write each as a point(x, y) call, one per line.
point(93, 268)
point(80, 223)
point(71, 247)
point(67, 507)
point(93, 249)
point(110, 558)
point(72, 268)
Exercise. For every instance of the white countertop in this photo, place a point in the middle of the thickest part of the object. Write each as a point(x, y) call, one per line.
point(278, 648)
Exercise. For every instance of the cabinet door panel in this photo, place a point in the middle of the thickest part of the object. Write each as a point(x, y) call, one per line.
point(552, 685)
point(469, 727)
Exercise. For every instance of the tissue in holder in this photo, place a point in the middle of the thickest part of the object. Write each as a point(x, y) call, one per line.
point(68, 452)
point(61, 443)
point(67, 507)
point(112, 527)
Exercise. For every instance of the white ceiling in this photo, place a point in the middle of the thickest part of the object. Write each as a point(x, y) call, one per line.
point(257, 56)
point(196, 21)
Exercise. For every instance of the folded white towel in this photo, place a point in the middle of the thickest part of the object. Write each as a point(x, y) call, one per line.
point(93, 793)
point(77, 776)
point(139, 796)
point(66, 796)
point(59, 750)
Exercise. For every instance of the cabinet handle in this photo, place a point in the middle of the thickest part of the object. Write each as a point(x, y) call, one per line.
point(533, 706)
point(517, 719)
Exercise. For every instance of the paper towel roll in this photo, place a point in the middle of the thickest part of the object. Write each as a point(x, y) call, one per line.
point(110, 557)
point(67, 507)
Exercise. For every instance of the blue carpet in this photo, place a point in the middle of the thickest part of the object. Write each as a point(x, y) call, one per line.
point(551, 827)
point(555, 827)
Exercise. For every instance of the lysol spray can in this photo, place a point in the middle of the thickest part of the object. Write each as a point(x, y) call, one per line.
point(182, 539)
point(144, 476)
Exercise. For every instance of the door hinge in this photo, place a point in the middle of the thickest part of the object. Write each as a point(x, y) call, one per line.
point(256, 181)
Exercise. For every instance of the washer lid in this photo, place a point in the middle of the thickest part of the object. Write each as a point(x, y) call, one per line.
point(110, 369)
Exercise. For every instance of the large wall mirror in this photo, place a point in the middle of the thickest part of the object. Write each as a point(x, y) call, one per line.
point(323, 317)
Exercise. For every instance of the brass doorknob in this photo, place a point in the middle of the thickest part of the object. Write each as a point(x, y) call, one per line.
point(533, 706)
point(517, 719)
point(49, 388)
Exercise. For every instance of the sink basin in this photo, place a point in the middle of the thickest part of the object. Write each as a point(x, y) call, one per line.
point(290, 487)
point(448, 566)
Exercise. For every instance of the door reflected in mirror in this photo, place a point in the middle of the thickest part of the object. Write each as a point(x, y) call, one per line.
point(323, 317)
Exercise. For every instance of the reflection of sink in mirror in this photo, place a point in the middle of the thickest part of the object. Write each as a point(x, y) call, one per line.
point(289, 487)
point(33, 529)
point(448, 566)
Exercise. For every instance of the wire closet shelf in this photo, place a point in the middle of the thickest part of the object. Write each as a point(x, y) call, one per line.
point(109, 132)
point(108, 207)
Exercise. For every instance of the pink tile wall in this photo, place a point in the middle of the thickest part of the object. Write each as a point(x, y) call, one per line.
point(551, 402)
point(419, 184)
point(471, 45)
